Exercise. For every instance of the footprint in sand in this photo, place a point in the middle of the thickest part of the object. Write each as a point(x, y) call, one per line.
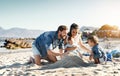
point(98, 69)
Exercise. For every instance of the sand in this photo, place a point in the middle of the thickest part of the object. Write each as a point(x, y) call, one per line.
point(13, 63)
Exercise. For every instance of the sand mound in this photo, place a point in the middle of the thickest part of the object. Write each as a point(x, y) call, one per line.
point(68, 61)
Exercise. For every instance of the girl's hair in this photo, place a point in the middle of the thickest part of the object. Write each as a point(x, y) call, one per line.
point(73, 26)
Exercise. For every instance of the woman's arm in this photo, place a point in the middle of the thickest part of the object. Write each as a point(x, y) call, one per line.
point(83, 47)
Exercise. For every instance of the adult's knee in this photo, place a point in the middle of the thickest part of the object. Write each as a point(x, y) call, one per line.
point(49, 53)
point(37, 63)
point(37, 60)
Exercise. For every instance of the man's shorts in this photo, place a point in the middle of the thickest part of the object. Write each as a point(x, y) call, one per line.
point(35, 50)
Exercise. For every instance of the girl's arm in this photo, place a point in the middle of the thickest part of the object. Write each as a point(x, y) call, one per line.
point(71, 48)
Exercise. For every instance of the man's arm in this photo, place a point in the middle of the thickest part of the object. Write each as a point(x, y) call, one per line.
point(50, 52)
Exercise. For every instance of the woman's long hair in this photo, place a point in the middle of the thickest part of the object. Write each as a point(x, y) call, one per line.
point(73, 26)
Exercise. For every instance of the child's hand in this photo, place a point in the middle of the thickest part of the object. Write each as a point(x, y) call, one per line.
point(90, 57)
point(64, 54)
point(75, 47)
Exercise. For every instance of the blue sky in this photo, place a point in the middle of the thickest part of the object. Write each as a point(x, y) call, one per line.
point(49, 14)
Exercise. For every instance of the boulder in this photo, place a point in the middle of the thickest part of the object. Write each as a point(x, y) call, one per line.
point(17, 43)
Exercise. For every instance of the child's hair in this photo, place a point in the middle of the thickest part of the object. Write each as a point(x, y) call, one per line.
point(93, 38)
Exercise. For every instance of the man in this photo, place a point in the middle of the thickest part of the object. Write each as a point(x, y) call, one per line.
point(48, 41)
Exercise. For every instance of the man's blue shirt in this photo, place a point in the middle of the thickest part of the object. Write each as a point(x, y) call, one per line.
point(48, 41)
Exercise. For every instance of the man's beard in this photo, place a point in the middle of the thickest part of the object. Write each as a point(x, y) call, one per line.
point(62, 36)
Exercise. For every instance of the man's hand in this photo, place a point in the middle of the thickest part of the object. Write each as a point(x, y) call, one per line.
point(49, 52)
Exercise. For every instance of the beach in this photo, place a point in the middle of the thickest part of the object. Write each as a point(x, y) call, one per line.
point(60, 36)
point(13, 63)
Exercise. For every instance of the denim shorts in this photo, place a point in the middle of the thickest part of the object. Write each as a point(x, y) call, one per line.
point(35, 50)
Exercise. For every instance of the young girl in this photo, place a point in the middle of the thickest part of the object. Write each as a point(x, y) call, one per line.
point(74, 48)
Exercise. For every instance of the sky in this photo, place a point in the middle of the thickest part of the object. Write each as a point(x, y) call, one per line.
point(49, 14)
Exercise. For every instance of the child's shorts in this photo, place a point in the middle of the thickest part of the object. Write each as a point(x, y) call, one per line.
point(103, 59)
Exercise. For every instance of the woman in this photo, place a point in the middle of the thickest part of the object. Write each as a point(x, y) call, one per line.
point(73, 42)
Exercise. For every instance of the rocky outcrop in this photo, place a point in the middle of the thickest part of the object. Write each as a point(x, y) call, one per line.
point(117, 55)
point(18, 43)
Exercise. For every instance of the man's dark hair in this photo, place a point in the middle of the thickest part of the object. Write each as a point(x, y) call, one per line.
point(93, 38)
point(61, 28)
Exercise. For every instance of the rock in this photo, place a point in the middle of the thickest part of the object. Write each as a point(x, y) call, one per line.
point(116, 55)
point(17, 43)
point(2, 71)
